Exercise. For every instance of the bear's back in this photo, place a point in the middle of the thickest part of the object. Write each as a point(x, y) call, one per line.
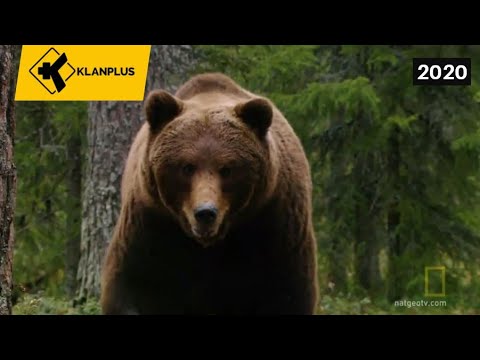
point(214, 83)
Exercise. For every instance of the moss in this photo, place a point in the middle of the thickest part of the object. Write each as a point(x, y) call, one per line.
point(36, 304)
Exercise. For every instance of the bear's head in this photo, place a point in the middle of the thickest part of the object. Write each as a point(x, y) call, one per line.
point(209, 160)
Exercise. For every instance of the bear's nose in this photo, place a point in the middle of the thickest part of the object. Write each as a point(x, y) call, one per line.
point(206, 214)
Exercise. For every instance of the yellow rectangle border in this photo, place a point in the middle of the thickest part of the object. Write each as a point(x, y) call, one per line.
point(434, 268)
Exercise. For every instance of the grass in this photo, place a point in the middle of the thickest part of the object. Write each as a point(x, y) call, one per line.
point(348, 305)
point(36, 304)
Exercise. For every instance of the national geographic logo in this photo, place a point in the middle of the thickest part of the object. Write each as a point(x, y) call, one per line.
point(83, 72)
point(435, 281)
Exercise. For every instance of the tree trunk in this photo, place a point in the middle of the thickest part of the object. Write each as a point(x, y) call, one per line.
point(111, 128)
point(74, 188)
point(338, 246)
point(7, 177)
point(367, 247)
point(396, 280)
point(337, 265)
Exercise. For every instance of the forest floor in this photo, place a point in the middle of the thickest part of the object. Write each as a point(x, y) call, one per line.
point(41, 305)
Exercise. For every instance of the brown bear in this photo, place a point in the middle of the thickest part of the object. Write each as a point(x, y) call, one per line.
point(216, 214)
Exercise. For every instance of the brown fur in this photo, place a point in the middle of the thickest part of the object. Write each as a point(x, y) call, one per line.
point(261, 258)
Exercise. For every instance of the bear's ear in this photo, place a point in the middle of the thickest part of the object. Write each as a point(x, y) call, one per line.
point(257, 114)
point(160, 108)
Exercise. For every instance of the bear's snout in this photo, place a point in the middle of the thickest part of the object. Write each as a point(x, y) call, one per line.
point(205, 227)
point(206, 214)
point(205, 208)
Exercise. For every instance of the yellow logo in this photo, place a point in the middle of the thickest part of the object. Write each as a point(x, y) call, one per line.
point(82, 72)
point(430, 273)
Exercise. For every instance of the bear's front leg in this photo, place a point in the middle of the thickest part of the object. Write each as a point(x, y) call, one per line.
point(114, 302)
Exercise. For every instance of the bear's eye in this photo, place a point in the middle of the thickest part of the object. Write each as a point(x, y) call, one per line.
point(188, 169)
point(225, 172)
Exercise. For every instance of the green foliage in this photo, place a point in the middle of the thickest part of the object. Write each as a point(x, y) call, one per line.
point(407, 156)
point(468, 142)
point(42, 159)
point(395, 170)
point(341, 305)
point(39, 305)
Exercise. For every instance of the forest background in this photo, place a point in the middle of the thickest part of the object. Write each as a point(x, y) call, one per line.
point(395, 170)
